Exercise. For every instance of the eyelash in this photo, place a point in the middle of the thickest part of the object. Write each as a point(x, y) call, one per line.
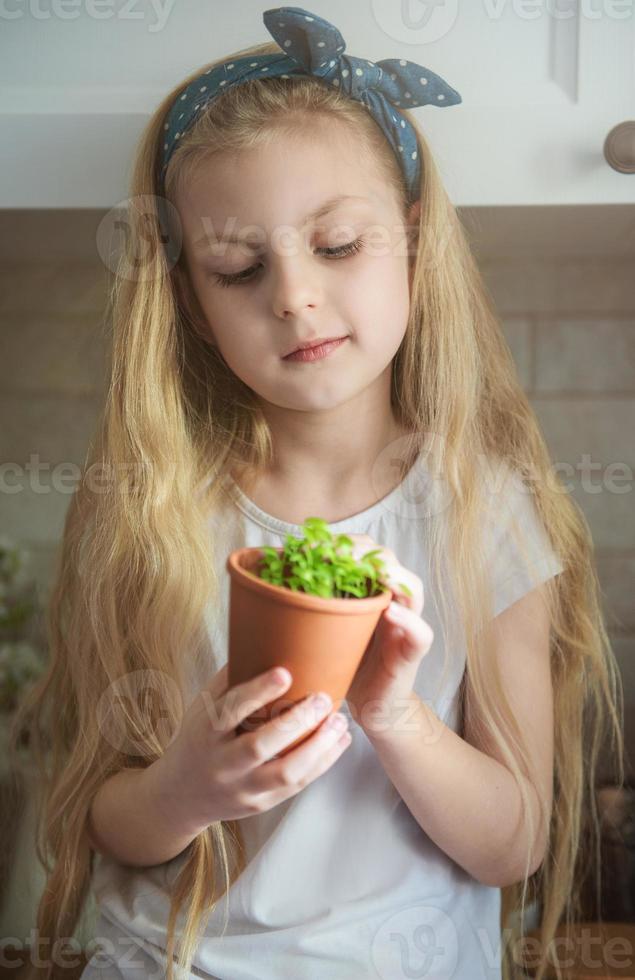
point(239, 277)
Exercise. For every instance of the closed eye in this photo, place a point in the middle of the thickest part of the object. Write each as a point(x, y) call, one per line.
point(229, 279)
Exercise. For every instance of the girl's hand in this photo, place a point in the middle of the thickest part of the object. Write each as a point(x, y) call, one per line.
point(210, 773)
point(385, 677)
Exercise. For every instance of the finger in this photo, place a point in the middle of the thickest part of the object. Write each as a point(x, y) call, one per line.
point(362, 543)
point(244, 699)
point(417, 634)
point(395, 577)
point(278, 780)
point(254, 748)
point(303, 764)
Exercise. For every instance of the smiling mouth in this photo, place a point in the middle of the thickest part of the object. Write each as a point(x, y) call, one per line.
point(313, 345)
point(316, 352)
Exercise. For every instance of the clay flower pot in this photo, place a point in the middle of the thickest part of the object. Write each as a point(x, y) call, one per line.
point(320, 640)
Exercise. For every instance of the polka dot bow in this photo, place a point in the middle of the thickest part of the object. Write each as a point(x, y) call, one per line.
point(313, 46)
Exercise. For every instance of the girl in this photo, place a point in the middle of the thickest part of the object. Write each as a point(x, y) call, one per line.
point(409, 846)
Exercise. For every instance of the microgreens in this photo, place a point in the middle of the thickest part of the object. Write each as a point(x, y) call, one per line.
point(321, 564)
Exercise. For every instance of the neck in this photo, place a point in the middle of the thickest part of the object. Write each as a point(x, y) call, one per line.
point(342, 458)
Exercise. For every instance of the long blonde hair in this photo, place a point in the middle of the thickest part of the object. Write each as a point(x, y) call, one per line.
point(134, 573)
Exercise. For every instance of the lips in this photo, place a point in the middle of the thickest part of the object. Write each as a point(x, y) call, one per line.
point(309, 344)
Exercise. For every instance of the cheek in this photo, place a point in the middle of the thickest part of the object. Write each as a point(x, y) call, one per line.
point(382, 299)
point(227, 314)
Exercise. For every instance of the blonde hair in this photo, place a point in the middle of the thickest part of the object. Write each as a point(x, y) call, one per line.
point(134, 573)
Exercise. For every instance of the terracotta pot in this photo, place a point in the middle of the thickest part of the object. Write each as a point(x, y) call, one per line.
point(321, 641)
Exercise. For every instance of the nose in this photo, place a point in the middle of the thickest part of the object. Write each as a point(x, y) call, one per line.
point(294, 309)
point(296, 284)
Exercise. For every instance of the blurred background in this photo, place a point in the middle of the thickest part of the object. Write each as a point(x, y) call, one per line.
point(540, 162)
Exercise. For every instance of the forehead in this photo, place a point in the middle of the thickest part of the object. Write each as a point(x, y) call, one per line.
point(281, 182)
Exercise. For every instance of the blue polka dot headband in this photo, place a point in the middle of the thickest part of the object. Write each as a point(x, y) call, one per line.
point(314, 46)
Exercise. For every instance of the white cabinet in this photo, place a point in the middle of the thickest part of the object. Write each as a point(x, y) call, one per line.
point(543, 82)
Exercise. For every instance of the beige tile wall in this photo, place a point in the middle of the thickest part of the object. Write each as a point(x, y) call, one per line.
point(53, 362)
point(53, 337)
point(569, 319)
point(570, 324)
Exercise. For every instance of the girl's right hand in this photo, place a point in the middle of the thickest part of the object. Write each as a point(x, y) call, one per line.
point(210, 773)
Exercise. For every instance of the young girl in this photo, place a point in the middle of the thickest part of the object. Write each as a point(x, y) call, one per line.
point(464, 786)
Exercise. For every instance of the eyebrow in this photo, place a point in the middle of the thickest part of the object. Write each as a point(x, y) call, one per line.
point(319, 212)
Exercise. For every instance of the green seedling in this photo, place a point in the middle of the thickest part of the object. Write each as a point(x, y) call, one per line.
point(321, 563)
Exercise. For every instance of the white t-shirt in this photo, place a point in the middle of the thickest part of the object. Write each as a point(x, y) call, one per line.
point(341, 881)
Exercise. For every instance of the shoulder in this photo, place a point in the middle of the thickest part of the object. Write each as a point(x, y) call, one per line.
point(517, 544)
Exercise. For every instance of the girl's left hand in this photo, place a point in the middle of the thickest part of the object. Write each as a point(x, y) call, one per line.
point(385, 677)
